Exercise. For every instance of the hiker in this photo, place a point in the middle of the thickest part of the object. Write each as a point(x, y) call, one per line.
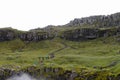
point(41, 60)
point(52, 55)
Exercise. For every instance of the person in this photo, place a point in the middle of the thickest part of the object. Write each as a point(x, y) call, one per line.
point(52, 55)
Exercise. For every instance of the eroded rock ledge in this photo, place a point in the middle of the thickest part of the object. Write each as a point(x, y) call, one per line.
point(49, 73)
point(80, 34)
point(87, 28)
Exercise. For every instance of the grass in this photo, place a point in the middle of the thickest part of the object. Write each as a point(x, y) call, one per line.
point(29, 54)
point(89, 54)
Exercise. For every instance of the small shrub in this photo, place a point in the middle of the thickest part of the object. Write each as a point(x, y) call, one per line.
point(10, 58)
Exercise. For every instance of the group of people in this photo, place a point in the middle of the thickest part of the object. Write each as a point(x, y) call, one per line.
point(41, 59)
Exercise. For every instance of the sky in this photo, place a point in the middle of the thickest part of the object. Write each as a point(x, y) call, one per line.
point(30, 14)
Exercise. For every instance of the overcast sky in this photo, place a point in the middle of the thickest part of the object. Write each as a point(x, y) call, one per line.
point(29, 14)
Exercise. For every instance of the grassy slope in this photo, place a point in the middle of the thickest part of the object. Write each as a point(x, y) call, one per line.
point(29, 54)
point(95, 53)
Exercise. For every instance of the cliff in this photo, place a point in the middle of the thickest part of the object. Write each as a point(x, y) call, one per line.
point(100, 21)
point(78, 29)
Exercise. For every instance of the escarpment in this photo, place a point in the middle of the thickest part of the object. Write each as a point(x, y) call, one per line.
point(80, 34)
point(89, 33)
point(79, 29)
point(6, 35)
point(99, 21)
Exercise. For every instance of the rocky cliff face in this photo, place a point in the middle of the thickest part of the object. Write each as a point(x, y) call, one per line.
point(110, 26)
point(88, 33)
point(6, 35)
point(35, 36)
point(75, 34)
point(97, 21)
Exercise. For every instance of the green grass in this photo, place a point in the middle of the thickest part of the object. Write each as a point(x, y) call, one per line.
point(29, 53)
point(89, 54)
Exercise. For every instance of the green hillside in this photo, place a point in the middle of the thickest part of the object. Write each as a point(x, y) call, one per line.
point(88, 46)
point(98, 54)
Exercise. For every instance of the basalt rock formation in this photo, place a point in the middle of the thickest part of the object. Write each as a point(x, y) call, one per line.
point(78, 30)
point(35, 36)
point(57, 74)
point(89, 33)
point(6, 34)
point(97, 21)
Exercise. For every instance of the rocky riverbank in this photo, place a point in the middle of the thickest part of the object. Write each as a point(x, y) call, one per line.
point(49, 73)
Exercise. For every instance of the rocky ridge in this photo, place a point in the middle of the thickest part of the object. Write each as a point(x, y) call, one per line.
point(100, 21)
point(97, 26)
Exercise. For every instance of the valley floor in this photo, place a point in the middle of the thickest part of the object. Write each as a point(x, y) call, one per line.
point(92, 55)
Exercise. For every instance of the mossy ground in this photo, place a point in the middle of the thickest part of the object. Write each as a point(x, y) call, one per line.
point(89, 55)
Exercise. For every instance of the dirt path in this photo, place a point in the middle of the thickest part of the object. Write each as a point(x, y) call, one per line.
point(114, 63)
point(65, 46)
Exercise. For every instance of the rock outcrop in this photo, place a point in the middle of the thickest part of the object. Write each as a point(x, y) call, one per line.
point(6, 34)
point(85, 29)
point(97, 21)
point(80, 34)
point(88, 33)
point(34, 36)
point(58, 74)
